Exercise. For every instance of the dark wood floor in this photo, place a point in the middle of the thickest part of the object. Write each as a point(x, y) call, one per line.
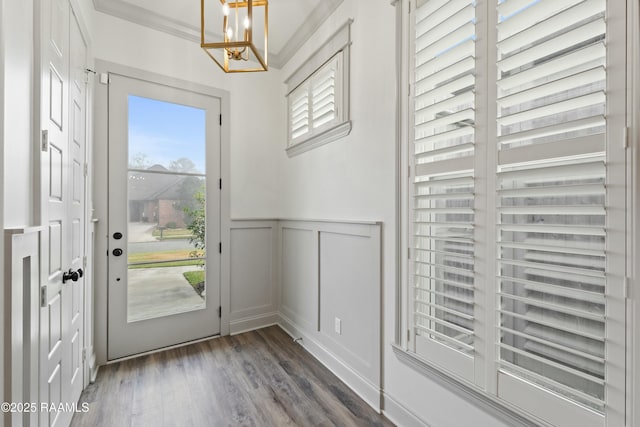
point(258, 378)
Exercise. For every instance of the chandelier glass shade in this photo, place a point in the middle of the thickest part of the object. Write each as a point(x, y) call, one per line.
point(233, 47)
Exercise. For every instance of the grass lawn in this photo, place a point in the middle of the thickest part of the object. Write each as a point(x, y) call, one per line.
point(163, 259)
point(168, 264)
point(196, 279)
point(173, 233)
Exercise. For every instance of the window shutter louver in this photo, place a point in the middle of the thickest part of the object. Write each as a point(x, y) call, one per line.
point(299, 112)
point(551, 193)
point(323, 92)
point(442, 211)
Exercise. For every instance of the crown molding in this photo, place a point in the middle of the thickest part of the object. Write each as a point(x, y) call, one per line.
point(322, 11)
point(156, 21)
point(147, 18)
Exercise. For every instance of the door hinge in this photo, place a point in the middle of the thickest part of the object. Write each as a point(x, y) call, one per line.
point(408, 171)
point(84, 354)
point(86, 170)
point(220, 119)
point(104, 78)
point(43, 296)
point(408, 253)
point(44, 144)
point(220, 311)
point(84, 261)
point(220, 247)
point(408, 335)
point(220, 183)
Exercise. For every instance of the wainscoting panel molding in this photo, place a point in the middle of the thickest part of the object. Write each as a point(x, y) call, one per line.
point(22, 310)
point(253, 275)
point(321, 282)
point(299, 275)
point(331, 297)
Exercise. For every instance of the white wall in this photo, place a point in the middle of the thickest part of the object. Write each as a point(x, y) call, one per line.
point(254, 186)
point(17, 26)
point(354, 179)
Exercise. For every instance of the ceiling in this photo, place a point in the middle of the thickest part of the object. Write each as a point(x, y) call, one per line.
point(291, 22)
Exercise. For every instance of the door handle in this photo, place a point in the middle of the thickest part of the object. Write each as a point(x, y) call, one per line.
point(117, 252)
point(71, 275)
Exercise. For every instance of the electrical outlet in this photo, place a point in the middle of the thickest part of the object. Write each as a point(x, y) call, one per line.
point(338, 326)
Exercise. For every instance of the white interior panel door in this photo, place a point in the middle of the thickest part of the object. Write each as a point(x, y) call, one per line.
point(164, 216)
point(76, 214)
point(62, 182)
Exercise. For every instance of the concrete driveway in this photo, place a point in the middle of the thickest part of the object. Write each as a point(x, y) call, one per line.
point(155, 292)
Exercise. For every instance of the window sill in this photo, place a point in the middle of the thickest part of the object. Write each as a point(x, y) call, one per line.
point(472, 395)
point(323, 138)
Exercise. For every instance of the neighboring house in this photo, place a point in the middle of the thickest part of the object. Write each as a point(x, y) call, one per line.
point(158, 198)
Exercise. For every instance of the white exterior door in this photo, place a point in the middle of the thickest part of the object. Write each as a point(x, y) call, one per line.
point(64, 96)
point(164, 263)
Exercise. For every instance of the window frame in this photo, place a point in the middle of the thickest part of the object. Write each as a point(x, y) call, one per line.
point(484, 388)
point(335, 51)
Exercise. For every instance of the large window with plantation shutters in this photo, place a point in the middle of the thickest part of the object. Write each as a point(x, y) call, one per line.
point(516, 202)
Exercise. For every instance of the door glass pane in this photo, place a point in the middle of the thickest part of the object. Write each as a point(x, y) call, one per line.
point(166, 220)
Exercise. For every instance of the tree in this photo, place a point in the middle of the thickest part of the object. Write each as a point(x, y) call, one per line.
point(139, 161)
point(188, 188)
point(183, 164)
point(197, 224)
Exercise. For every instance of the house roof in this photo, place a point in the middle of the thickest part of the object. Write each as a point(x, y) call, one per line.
point(156, 185)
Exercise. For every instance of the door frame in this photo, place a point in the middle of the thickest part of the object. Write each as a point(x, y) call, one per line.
point(168, 327)
point(101, 187)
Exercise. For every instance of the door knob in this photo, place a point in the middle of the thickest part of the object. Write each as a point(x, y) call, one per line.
point(117, 252)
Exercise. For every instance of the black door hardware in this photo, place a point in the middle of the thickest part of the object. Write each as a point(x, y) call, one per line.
point(72, 275)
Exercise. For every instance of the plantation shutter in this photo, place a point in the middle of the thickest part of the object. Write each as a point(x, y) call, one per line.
point(552, 199)
point(517, 201)
point(313, 106)
point(323, 94)
point(442, 184)
point(299, 112)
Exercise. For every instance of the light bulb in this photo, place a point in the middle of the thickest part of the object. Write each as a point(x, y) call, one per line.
point(225, 9)
point(229, 33)
point(246, 23)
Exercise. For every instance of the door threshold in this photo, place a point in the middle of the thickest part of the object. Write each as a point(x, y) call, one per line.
point(158, 350)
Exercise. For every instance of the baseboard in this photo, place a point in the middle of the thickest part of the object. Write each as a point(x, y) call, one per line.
point(368, 391)
point(400, 415)
point(93, 369)
point(93, 365)
point(252, 323)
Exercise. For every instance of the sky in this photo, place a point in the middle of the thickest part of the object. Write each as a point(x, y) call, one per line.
point(163, 131)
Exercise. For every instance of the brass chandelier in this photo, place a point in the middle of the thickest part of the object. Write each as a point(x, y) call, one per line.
point(237, 52)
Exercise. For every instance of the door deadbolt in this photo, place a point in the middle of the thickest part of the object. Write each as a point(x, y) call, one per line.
point(117, 235)
point(117, 252)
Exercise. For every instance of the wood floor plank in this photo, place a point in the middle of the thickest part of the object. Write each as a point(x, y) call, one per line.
point(259, 378)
